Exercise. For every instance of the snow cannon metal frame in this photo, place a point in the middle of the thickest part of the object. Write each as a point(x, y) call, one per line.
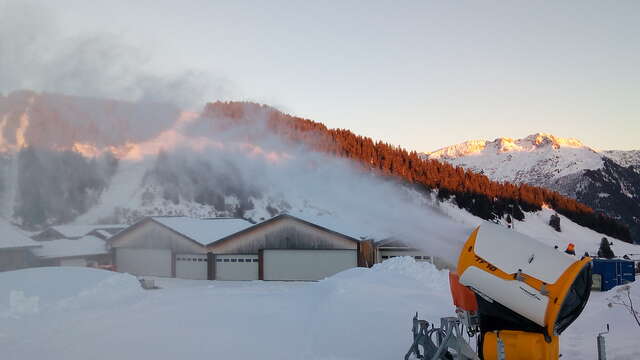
point(527, 293)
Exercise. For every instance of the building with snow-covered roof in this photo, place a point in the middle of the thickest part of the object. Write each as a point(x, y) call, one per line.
point(281, 248)
point(85, 251)
point(391, 247)
point(14, 247)
point(77, 231)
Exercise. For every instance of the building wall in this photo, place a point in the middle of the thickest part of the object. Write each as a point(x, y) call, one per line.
point(151, 235)
point(13, 259)
point(104, 259)
point(306, 265)
point(285, 233)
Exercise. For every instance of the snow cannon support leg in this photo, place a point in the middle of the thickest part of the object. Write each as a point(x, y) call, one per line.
point(436, 342)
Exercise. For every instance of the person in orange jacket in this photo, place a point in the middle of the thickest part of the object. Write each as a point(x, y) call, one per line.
point(571, 249)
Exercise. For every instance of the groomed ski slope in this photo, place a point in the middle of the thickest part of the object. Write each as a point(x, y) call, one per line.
point(81, 313)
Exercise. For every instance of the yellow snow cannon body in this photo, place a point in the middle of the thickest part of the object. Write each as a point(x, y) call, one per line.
point(528, 293)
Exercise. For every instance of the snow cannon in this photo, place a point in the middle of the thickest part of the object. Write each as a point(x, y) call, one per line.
point(527, 293)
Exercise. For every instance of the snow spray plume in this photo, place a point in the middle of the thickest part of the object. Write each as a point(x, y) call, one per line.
point(245, 160)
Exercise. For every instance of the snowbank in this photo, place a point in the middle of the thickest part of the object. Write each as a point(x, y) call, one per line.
point(32, 291)
point(357, 314)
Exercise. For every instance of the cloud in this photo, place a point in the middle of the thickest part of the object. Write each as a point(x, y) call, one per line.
point(35, 56)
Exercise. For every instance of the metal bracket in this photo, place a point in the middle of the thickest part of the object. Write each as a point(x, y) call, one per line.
point(436, 342)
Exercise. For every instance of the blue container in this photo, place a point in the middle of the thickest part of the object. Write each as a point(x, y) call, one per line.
point(609, 273)
point(627, 271)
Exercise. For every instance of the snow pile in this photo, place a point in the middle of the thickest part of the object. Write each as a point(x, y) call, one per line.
point(20, 304)
point(417, 270)
point(357, 314)
point(38, 290)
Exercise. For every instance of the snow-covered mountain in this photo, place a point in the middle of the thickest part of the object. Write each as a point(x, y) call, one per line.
point(608, 181)
point(625, 158)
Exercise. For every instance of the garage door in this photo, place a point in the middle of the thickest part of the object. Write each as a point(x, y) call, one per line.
point(144, 262)
point(191, 266)
point(306, 264)
point(236, 267)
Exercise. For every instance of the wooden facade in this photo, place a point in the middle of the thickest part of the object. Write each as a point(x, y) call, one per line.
point(282, 232)
point(14, 259)
point(149, 234)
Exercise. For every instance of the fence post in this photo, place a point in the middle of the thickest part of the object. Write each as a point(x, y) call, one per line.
point(602, 353)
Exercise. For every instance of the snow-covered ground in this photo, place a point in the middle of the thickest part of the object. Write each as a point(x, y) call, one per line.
point(80, 313)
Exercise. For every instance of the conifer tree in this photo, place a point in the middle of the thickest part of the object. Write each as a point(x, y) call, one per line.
point(554, 222)
point(605, 250)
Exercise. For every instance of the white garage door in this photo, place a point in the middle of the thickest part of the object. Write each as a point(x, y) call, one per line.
point(191, 266)
point(144, 262)
point(306, 264)
point(236, 267)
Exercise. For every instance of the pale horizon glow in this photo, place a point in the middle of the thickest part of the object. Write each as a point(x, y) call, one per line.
point(420, 74)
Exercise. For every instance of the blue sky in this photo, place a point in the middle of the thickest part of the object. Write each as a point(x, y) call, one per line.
point(422, 74)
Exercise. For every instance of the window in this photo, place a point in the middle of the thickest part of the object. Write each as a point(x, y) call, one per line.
point(218, 260)
point(240, 260)
point(226, 260)
point(200, 260)
point(385, 257)
point(255, 260)
point(234, 260)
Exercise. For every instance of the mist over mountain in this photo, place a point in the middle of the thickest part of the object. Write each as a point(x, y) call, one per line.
point(607, 181)
point(58, 122)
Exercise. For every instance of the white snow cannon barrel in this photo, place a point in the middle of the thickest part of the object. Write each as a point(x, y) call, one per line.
point(522, 284)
